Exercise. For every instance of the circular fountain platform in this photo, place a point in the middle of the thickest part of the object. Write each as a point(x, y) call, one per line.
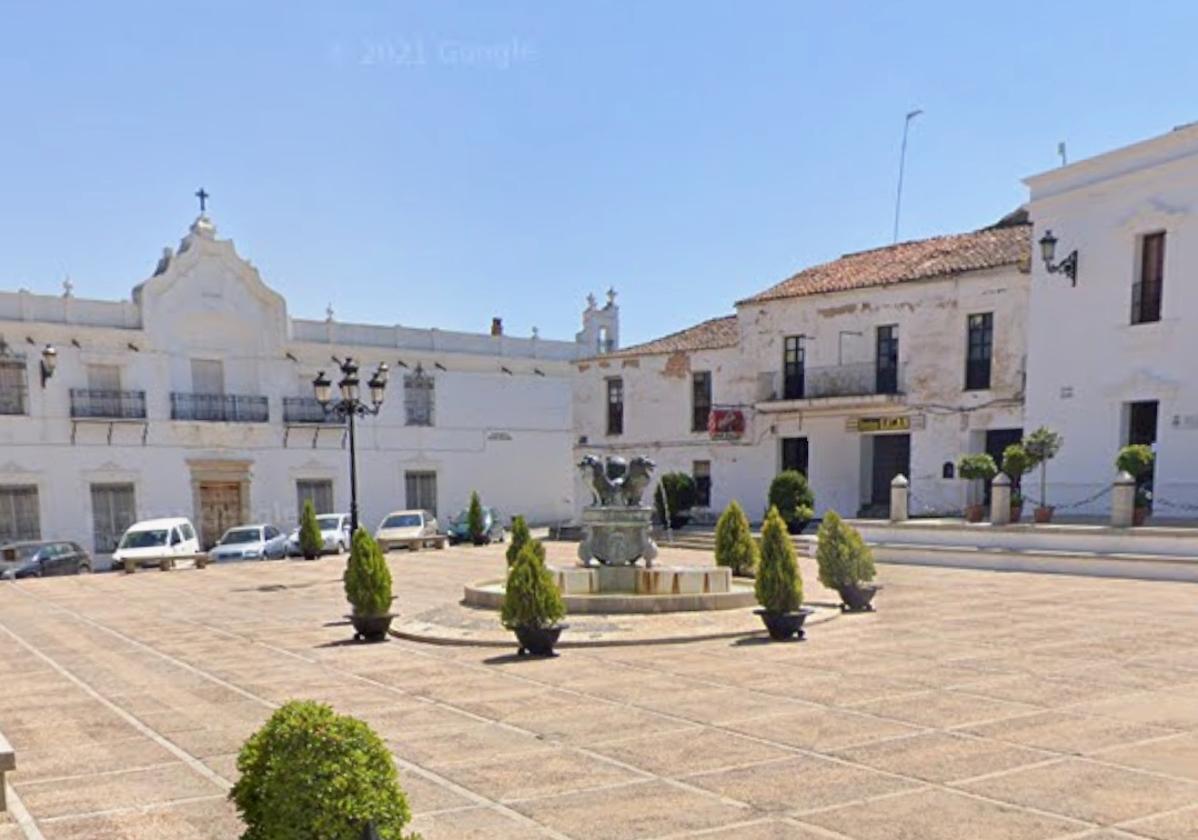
point(489, 594)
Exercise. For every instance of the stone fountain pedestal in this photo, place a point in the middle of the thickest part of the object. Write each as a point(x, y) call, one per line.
point(616, 536)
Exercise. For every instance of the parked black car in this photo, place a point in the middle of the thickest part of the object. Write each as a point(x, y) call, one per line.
point(42, 559)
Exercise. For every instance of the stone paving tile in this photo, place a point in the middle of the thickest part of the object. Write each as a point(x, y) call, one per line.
point(820, 729)
point(1088, 791)
point(689, 751)
point(472, 824)
point(1157, 708)
point(546, 773)
point(598, 723)
point(944, 709)
point(1066, 732)
point(940, 815)
point(1175, 756)
point(210, 819)
point(942, 757)
point(114, 790)
point(89, 758)
point(764, 830)
point(645, 809)
point(1179, 825)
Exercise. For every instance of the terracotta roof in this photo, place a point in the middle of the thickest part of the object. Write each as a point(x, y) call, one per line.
point(709, 335)
point(992, 247)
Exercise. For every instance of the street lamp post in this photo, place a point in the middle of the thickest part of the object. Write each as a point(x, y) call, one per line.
point(351, 406)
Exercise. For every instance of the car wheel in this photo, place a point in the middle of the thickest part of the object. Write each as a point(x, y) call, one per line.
point(85, 569)
point(340, 548)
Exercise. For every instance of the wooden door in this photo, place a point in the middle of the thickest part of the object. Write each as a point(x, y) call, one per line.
point(220, 510)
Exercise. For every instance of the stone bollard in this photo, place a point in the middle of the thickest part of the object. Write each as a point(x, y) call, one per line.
point(899, 493)
point(1000, 500)
point(1123, 500)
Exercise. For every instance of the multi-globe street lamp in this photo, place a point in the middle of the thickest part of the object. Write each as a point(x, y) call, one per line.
point(351, 406)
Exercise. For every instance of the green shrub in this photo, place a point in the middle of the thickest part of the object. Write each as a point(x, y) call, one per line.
point(734, 546)
point(520, 537)
point(531, 598)
point(1016, 463)
point(779, 587)
point(978, 466)
point(844, 558)
point(1136, 460)
point(367, 578)
point(680, 493)
point(791, 495)
point(310, 540)
point(1043, 445)
point(476, 522)
point(309, 772)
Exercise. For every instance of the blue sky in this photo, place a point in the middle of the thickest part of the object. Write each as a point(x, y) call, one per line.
point(434, 164)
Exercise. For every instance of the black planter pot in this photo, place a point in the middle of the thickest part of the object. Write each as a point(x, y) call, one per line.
point(784, 626)
point(371, 628)
point(796, 526)
point(538, 641)
point(857, 598)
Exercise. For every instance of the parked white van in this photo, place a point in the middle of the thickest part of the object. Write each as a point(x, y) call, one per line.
point(153, 539)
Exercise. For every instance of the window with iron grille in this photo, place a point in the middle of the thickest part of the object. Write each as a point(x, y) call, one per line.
point(418, 398)
point(318, 491)
point(1147, 290)
point(420, 490)
point(979, 350)
point(886, 372)
point(12, 386)
point(701, 471)
point(793, 361)
point(700, 400)
point(615, 406)
point(19, 515)
point(113, 510)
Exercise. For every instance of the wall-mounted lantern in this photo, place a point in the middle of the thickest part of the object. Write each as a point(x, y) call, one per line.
point(49, 362)
point(1048, 250)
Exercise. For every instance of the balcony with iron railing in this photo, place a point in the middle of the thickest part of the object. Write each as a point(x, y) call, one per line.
point(833, 381)
point(220, 408)
point(307, 411)
point(93, 404)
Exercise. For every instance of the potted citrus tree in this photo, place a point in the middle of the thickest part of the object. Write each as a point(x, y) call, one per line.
point(976, 467)
point(310, 540)
point(1016, 463)
point(1137, 461)
point(1043, 445)
point(734, 546)
point(779, 587)
point(532, 603)
point(332, 774)
point(791, 494)
point(845, 563)
point(368, 587)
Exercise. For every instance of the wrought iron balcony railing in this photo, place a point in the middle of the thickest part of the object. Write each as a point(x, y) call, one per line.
point(308, 410)
point(220, 408)
point(855, 380)
point(89, 403)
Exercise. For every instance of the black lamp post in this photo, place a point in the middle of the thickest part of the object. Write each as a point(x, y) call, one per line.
point(351, 406)
point(1048, 250)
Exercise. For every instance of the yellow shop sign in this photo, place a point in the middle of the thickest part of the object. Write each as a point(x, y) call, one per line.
point(884, 424)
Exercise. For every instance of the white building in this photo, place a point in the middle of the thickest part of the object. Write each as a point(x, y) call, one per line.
point(195, 398)
point(894, 360)
point(1112, 355)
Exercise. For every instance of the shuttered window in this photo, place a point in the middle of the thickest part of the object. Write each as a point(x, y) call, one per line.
point(12, 386)
point(418, 398)
point(317, 491)
point(420, 490)
point(113, 510)
point(1147, 292)
point(19, 519)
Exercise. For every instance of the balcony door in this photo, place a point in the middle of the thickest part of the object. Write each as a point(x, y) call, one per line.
point(207, 376)
point(886, 370)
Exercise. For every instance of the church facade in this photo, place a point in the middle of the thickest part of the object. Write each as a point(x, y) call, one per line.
point(195, 398)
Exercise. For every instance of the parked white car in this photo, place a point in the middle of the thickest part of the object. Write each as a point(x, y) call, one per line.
point(250, 542)
point(334, 533)
point(151, 540)
point(402, 526)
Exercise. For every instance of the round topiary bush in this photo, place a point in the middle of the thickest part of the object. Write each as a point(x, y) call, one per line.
point(844, 558)
point(1136, 460)
point(979, 466)
point(367, 578)
point(310, 540)
point(309, 772)
point(791, 495)
point(734, 546)
point(531, 598)
point(778, 587)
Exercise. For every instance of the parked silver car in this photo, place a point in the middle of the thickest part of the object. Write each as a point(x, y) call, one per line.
point(334, 535)
point(250, 542)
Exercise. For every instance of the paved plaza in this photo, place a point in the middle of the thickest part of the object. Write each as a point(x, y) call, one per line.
point(972, 706)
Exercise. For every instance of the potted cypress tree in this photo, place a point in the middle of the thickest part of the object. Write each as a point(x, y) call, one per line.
point(976, 467)
point(521, 537)
point(1043, 445)
point(779, 587)
point(845, 563)
point(331, 774)
point(734, 546)
point(476, 521)
point(1137, 461)
point(1016, 463)
point(368, 588)
point(310, 540)
point(532, 603)
point(791, 495)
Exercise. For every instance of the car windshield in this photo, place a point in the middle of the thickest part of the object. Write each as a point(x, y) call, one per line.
point(144, 539)
point(17, 553)
point(241, 535)
point(402, 520)
point(328, 523)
